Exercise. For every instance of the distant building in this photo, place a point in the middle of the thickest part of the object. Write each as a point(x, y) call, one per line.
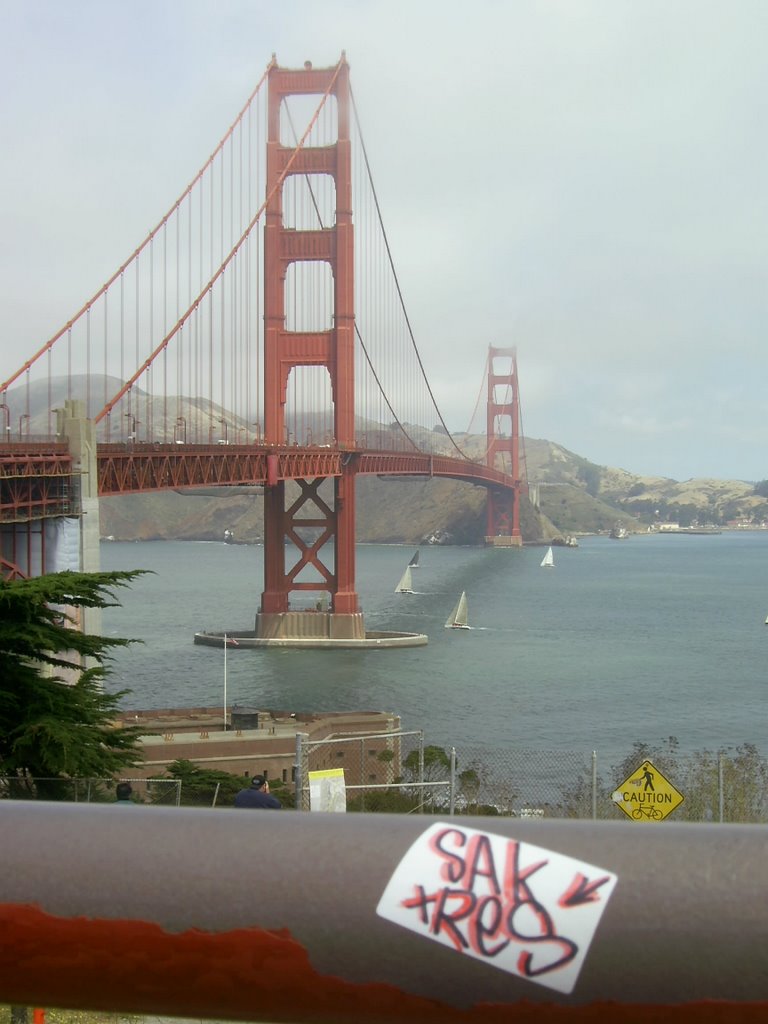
point(264, 742)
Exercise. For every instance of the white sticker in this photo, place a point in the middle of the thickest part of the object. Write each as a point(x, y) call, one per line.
point(513, 905)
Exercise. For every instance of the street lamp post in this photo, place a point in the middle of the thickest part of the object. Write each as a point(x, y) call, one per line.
point(223, 422)
point(180, 428)
point(24, 416)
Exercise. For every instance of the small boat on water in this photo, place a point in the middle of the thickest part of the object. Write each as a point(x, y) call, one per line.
point(414, 562)
point(619, 532)
point(548, 561)
point(405, 586)
point(458, 617)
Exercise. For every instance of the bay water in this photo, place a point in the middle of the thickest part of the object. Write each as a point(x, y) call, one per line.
point(637, 639)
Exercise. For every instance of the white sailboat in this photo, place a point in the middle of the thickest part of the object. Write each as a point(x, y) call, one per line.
point(458, 617)
point(405, 586)
point(548, 561)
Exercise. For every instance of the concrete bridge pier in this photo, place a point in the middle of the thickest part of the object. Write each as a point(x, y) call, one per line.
point(52, 521)
point(80, 434)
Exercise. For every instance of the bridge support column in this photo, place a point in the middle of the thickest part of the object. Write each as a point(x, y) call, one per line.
point(80, 434)
point(503, 520)
point(503, 451)
point(345, 599)
point(306, 529)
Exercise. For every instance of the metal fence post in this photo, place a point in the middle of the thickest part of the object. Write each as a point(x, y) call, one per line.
point(362, 762)
point(421, 772)
point(594, 785)
point(299, 771)
point(452, 793)
point(720, 788)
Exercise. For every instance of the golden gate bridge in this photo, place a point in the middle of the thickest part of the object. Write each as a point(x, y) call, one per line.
point(256, 336)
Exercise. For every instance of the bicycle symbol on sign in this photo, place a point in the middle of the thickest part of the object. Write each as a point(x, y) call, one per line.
point(652, 813)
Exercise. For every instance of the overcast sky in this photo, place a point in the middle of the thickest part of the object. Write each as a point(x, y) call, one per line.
point(585, 180)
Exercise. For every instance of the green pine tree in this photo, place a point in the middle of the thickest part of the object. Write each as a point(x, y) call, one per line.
point(50, 727)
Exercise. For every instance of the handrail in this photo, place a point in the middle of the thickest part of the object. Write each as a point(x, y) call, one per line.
point(212, 914)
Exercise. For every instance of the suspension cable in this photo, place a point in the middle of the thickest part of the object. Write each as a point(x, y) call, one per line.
point(148, 240)
point(477, 401)
point(397, 282)
point(209, 286)
point(383, 392)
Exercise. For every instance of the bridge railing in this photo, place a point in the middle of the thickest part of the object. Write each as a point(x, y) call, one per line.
point(300, 917)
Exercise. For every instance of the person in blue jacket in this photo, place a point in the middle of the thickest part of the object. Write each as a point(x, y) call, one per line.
point(257, 795)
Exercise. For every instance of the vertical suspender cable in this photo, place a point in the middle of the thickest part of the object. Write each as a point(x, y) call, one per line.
point(106, 348)
point(136, 331)
point(87, 363)
point(210, 316)
point(149, 387)
point(179, 348)
point(222, 340)
point(122, 327)
point(165, 332)
point(247, 288)
point(50, 396)
point(240, 223)
point(210, 364)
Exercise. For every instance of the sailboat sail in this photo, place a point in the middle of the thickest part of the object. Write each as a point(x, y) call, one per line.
point(458, 617)
point(414, 562)
point(405, 586)
point(548, 561)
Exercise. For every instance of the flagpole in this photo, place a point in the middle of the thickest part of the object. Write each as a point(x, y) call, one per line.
point(225, 682)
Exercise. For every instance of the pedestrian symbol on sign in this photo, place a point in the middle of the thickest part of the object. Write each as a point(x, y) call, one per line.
point(648, 777)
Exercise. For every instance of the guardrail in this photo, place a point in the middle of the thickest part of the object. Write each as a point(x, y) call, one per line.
point(358, 918)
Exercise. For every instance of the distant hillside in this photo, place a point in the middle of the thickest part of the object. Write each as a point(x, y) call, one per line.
point(569, 495)
point(580, 496)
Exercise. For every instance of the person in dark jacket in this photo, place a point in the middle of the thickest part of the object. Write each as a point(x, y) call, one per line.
point(123, 793)
point(257, 795)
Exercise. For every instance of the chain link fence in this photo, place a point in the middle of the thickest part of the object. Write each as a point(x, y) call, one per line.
point(387, 771)
point(530, 783)
point(158, 792)
point(398, 772)
point(722, 786)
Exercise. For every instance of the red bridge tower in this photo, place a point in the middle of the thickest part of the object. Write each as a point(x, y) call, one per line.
point(503, 524)
point(309, 522)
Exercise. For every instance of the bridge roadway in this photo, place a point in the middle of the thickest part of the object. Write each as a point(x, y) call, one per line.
point(35, 476)
point(129, 468)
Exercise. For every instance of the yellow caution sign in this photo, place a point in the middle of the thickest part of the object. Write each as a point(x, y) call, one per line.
point(647, 795)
